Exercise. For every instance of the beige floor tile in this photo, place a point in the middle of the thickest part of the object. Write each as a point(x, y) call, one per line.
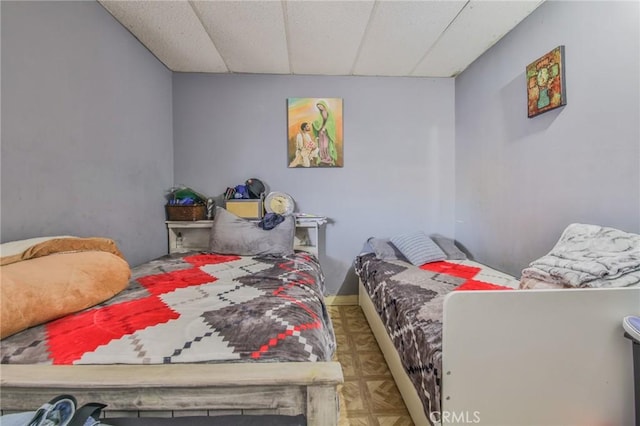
point(364, 342)
point(357, 325)
point(373, 364)
point(360, 420)
point(351, 312)
point(334, 311)
point(338, 324)
point(353, 396)
point(369, 396)
point(384, 395)
point(347, 360)
point(343, 343)
point(391, 420)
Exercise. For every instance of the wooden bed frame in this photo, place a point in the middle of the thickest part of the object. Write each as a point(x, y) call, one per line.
point(178, 390)
point(528, 357)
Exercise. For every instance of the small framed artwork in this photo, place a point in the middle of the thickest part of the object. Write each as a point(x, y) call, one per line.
point(546, 85)
point(314, 132)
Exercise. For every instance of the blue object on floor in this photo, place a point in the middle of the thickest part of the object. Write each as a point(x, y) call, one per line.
point(631, 325)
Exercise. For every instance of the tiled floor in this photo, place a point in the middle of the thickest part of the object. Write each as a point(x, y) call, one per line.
point(369, 396)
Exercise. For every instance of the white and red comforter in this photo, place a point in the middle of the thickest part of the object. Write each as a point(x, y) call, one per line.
point(197, 307)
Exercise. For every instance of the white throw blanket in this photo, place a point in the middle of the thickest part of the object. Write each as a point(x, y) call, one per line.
point(590, 256)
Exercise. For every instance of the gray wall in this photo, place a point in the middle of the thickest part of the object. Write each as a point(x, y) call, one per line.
point(91, 123)
point(86, 128)
point(520, 181)
point(398, 153)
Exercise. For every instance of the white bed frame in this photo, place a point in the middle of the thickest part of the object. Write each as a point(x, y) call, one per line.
point(178, 390)
point(528, 357)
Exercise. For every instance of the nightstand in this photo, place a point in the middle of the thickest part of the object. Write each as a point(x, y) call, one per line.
point(310, 236)
point(188, 235)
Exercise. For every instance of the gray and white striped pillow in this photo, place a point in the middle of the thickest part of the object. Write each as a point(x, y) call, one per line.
point(418, 248)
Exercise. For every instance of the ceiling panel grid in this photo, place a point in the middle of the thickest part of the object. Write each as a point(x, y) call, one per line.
point(419, 38)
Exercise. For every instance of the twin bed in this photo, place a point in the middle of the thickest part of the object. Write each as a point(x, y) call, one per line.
point(193, 334)
point(466, 344)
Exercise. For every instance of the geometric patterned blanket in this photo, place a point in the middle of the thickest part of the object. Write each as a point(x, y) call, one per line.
point(409, 301)
point(194, 307)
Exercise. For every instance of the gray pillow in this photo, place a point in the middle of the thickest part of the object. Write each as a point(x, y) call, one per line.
point(448, 246)
point(384, 250)
point(231, 234)
point(418, 248)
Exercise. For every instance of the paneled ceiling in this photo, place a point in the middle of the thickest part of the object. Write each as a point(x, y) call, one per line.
point(419, 38)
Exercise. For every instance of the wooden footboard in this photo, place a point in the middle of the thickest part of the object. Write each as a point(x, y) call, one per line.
point(181, 389)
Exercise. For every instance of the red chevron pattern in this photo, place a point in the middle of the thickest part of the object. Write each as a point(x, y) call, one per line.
point(163, 299)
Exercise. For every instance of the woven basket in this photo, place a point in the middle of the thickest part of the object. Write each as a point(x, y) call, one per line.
point(188, 213)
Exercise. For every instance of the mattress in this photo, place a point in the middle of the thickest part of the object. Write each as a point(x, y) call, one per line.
point(409, 301)
point(193, 308)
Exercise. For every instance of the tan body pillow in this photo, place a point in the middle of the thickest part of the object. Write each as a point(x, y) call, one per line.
point(41, 289)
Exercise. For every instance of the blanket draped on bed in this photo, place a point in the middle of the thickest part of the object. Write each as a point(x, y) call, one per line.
point(589, 256)
point(195, 307)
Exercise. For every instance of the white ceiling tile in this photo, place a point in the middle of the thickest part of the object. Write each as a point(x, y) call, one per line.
point(320, 37)
point(399, 34)
point(478, 27)
point(324, 36)
point(171, 30)
point(250, 35)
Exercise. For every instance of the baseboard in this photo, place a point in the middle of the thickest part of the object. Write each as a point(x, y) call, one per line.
point(351, 299)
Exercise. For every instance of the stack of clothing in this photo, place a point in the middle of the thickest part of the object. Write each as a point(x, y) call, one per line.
point(587, 256)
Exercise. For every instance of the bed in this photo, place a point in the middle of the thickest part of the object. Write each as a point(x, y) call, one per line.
point(466, 345)
point(191, 334)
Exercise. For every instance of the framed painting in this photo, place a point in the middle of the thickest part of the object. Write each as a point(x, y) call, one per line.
point(314, 132)
point(546, 85)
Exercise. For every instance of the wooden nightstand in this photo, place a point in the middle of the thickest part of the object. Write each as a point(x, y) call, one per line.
point(186, 236)
point(310, 236)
